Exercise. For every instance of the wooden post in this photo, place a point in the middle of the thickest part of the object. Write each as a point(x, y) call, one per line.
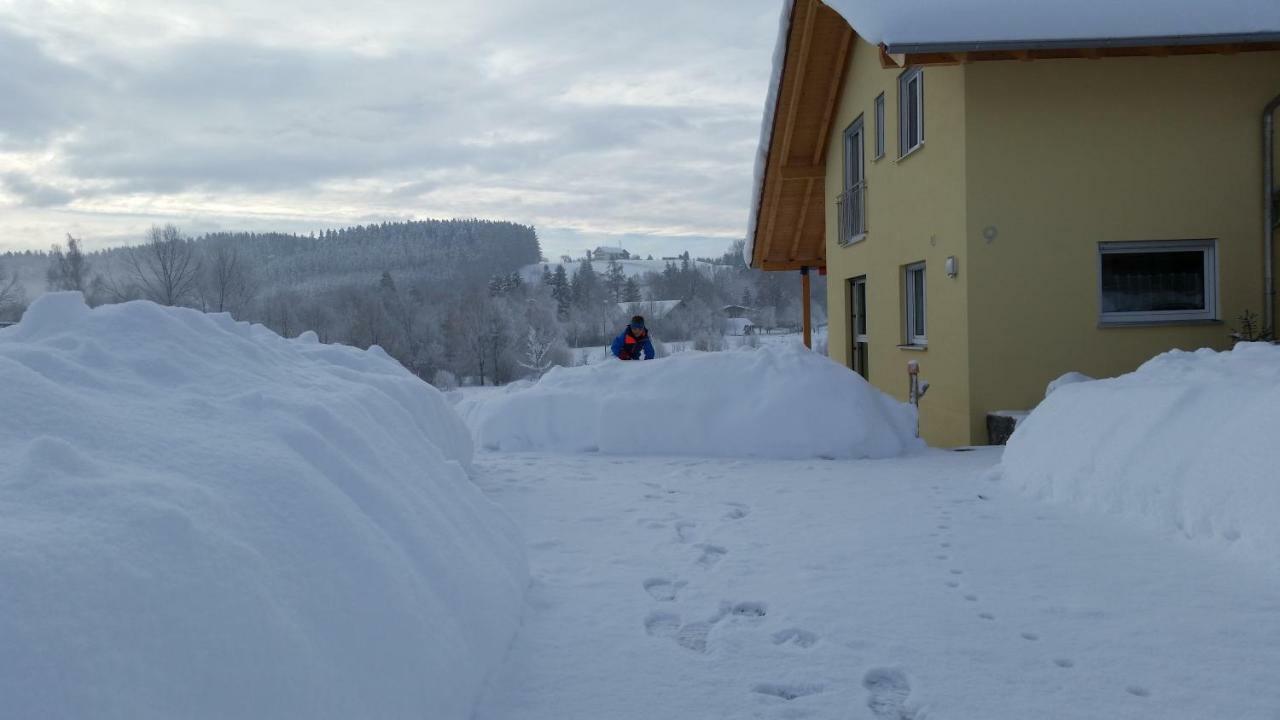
point(806, 299)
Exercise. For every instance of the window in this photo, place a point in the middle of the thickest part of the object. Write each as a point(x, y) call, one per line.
point(913, 287)
point(910, 111)
point(852, 202)
point(1152, 282)
point(879, 109)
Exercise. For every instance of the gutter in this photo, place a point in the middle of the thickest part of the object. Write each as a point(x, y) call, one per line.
point(1268, 213)
point(1083, 43)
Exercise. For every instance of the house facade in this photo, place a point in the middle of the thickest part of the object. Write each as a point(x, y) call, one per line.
point(1003, 213)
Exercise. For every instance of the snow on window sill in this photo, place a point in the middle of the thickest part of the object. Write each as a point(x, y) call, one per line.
point(910, 152)
point(914, 348)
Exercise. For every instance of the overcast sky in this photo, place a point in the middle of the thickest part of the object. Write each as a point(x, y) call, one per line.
point(596, 121)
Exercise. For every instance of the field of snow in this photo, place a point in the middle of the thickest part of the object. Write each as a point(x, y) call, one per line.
point(776, 402)
point(1186, 444)
point(200, 519)
point(911, 587)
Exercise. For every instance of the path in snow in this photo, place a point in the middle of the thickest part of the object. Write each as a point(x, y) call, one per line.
point(886, 590)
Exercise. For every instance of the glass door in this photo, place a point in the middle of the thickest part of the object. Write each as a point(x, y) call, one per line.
point(858, 324)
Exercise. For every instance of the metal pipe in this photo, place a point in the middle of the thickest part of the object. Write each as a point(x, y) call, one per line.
point(807, 299)
point(1268, 214)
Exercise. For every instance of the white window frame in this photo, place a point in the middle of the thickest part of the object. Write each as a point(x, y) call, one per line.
point(915, 74)
point(911, 275)
point(879, 117)
point(1209, 251)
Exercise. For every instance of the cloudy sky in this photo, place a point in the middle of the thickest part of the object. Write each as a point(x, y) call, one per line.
point(595, 120)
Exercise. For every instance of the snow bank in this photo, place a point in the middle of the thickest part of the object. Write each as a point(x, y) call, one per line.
point(776, 402)
point(200, 519)
point(1187, 443)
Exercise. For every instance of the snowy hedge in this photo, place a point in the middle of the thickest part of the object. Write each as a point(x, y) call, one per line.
point(200, 519)
point(776, 402)
point(1186, 443)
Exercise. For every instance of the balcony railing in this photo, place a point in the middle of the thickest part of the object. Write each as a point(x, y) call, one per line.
point(851, 206)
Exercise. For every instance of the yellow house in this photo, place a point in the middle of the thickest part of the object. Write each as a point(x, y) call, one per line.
point(1003, 212)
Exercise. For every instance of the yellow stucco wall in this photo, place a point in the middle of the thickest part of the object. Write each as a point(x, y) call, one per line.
point(1064, 154)
point(916, 212)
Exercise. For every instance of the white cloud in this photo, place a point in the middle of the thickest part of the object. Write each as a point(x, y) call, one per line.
point(629, 119)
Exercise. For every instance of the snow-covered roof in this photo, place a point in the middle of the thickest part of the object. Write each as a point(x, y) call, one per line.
point(945, 22)
point(912, 26)
point(651, 310)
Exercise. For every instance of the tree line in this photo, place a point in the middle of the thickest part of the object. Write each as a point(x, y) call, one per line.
point(453, 301)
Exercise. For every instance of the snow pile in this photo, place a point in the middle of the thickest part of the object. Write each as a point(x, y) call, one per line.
point(1187, 442)
point(1066, 379)
point(776, 402)
point(200, 519)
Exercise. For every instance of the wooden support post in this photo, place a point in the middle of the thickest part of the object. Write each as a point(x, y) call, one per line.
point(806, 299)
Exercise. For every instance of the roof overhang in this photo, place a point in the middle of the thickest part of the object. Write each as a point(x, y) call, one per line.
point(952, 53)
point(790, 226)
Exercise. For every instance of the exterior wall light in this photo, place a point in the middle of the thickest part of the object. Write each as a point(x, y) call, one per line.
point(952, 266)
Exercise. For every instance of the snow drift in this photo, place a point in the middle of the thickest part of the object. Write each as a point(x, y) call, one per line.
point(1186, 443)
point(201, 519)
point(776, 402)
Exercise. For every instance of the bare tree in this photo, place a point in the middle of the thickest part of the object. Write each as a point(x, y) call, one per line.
point(68, 270)
point(12, 294)
point(166, 267)
point(227, 283)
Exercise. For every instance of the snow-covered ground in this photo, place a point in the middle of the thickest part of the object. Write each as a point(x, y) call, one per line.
point(916, 587)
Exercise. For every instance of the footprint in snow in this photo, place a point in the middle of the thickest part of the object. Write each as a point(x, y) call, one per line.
point(684, 530)
point(888, 690)
point(750, 610)
point(786, 692)
point(662, 624)
point(1064, 662)
point(795, 636)
point(1138, 691)
point(737, 511)
point(1030, 636)
point(711, 554)
point(971, 598)
point(986, 616)
point(662, 589)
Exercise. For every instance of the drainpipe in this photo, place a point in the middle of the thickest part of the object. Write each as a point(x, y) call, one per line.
point(1268, 213)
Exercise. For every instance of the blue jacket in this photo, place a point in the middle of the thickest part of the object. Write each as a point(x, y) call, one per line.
point(624, 350)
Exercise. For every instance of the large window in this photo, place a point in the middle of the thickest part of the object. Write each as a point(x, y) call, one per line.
point(879, 109)
point(853, 201)
point(914, 312)
point(910, 111)
point(1146, 282)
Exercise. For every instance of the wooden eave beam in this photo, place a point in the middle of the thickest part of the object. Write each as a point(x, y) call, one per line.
point(956, 57)
point(802, 172)
point(804, 215)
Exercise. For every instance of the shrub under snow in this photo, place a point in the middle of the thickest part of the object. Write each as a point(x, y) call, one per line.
point(200, 519)
point(777, 402)
point(1187, 442)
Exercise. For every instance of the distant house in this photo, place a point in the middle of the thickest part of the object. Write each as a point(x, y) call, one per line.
point(736, 311)
point(653, 309)
point(605, 252)
point(1007, 191)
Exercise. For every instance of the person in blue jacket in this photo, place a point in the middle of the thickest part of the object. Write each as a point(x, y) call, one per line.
point(633, 341)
